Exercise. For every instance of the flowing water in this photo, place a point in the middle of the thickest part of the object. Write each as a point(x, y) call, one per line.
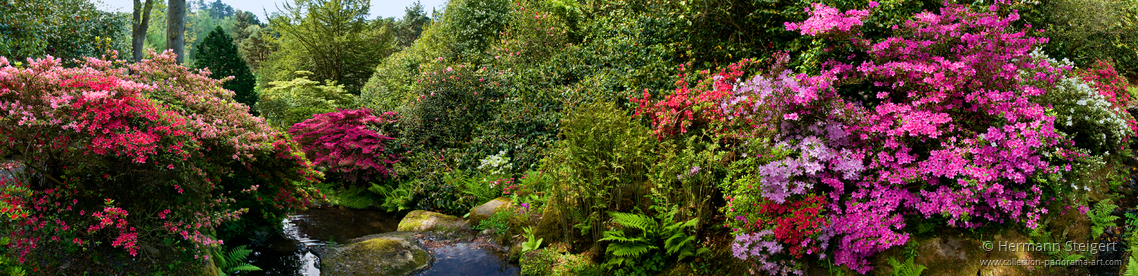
point(287, 253)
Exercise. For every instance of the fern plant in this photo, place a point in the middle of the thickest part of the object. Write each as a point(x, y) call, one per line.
point(233, 261)
point(626, 249)
point(908, 268)
point(1132, 267)
point(677, 241)
point(663, 232)
point(1101, 218)
point(394, 199)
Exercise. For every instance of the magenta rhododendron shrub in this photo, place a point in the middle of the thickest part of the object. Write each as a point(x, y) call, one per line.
point(134, 154)
point(937, 121)
point(347, 143)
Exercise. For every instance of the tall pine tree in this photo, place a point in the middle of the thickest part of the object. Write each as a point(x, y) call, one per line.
point(218, 53)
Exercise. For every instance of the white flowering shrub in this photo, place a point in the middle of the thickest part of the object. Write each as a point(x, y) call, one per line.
point(498, 164)
point(1081, 112)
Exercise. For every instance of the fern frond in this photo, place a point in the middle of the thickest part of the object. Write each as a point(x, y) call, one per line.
point(245, 267)
point(629, 250)
point(908, 268)
point(219, 259)
point(642, 222)
point(238, 254)
point(1132, 267)
point(676, 243)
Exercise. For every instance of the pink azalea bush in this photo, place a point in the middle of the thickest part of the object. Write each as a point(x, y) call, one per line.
point(950, 118)
point(347, 143)
point(134, 154)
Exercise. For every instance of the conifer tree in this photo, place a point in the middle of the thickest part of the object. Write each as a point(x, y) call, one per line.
point(218, 53)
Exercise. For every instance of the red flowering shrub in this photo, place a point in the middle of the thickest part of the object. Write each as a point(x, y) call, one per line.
point(127, 155)
point(1111, 85)
point(347, 143)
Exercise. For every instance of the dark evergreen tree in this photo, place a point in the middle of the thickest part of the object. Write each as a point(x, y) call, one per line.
point(218, 53)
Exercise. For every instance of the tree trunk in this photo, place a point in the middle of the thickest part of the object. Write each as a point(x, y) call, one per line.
point(176, 27)
point(138, 27)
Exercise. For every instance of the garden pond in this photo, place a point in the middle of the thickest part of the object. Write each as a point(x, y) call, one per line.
point(289, 252)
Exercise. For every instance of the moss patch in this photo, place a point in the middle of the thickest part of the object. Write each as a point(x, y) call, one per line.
point(395, 253)
point(420, 220)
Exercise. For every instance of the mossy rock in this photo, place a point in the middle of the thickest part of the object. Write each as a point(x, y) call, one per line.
point(395, 253)
point(549, 226)
point(488, 209)
point(422, 221)
point(952, 253)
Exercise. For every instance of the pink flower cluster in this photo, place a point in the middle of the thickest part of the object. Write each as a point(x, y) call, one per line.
point(824, 19)
point(953, 129)
point(345, 141)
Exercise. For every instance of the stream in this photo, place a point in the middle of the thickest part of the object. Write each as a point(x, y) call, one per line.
point(287, 253)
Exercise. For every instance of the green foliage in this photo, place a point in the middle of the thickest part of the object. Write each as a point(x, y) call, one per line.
point(1088, 30)
point(531, 243)
point(459, 36)
point(256, 48)
point(688, 173)
point(410, 26)
point(1042, 234)
point(289, 102)
point(8, 266)
point(499, 223)
point(350, 196)
point(331, 38)
point(626, 249)
point(67, 29)
point(555, 261)
point(1132, 267)
point(425, 174)
point(395, 199)
point(1101, 218)
point(600, 161)
point(233, 260)
point(639, 252)
point(453, 102)
point(218, 53)
point(908, 268)
point(484, 187)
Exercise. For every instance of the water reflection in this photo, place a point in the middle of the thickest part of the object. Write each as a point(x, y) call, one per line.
point(468, 259)
point(287, 253)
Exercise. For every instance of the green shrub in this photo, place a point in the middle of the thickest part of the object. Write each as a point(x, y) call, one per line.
point(531, 242)
point(286, 103)
point(600, 161)
point(453, 102)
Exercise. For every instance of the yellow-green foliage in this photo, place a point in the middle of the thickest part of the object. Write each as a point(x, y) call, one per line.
point(286, 103)
point(908, 268)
